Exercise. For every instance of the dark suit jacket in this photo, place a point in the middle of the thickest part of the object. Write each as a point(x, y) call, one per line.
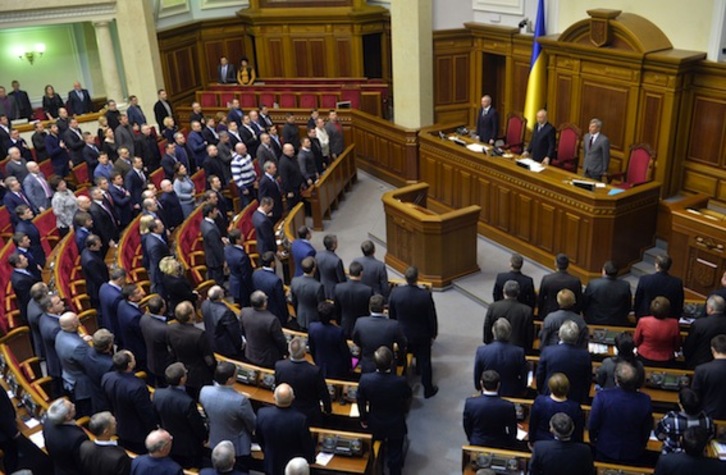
point(551, 327)
point(697, 347)
point(269, 282)
point(63, 443)
point(658, 284)
point(487, 126)
point(268, 187)
point(109, 297)
point(414, 309)
point(307, 293)
point(80, 105)
point(36, 248)
point(153, 329)
point(95, 271)
point(123, 205)
point(553, 283)
point(104, 224)
point(680, 463)
point(172, 209)
point(543, 142)
point(300, 249)
point(131, 404)
point(291, 177)
point(95, 365)
point(75, 144)
point(104, 460)
point(490, 420)
point(230, 77)
point(708, 383)
point(250, 139)
point(620, 424)
point(135, 185)
point(213, 246)
point(155, 249)
point(526, 295)
point(309, 385)
point(129, 318)
point(283, 433)
point(374, 275)
point(12, 201)
point(146, 464)
point(160, 112)
point(265, 233)
point(607, 301)
point(329, 350)
point(90, 156)
point(222, 329)
point(574, 362)
point(178, 289)
point(518, 315)
point(189, 345)
point(71, 351)
point(198, 147)
point(382, 401)
point(21, 284)
point(266, 343)
point(49, 328)
point(330, 268)
point(25, 110)
point(555, 457)
point(179, 416)
point(372, 332)
point(240, 273)
point(507, 360)
point(8, 424)
point(351, 302)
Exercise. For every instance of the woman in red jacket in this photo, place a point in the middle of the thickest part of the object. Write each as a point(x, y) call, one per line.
point(658, 336)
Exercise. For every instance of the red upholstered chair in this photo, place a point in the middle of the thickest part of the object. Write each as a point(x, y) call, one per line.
point(288, 100)
point(351, 94)
point(514, 135)
point(80, 175)
point(225, 98)
point(47, 168)
point(247, 100)
point(267, 98)
point(6, 227)
point(162, 146)
point(308, 101)
point(156, 177)
point(568, 147)
point(328, 100)
point(208, 99)
point(640, 167)
point(200, 181)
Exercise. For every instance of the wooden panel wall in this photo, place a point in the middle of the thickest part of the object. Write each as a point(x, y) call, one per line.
point(179, 63)
point(452, 76)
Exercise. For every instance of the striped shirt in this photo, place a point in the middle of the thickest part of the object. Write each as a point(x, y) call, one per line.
point(674, 424)
point(243, 172)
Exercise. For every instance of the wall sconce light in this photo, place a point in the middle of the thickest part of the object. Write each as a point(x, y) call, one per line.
point(30, 54)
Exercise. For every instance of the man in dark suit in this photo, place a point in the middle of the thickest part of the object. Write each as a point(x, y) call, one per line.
point(335, 135)
point(26, 226)
point(621, 419)
point(696, 348)
point(153, 328)
point(225, 72)
point(283, 432)
point(21, 281)
point(306, 162)
point(94, 268)
point(129, 315)
point(223, 460)
point(90, 152)
point(307, 382)
point(561, 456)
point(708, 380)
point(518, 314)
point(659, 284)
point(504, 358)
point(527, 294)
point(240, 268)
point(264, 231)
point(597, 152)
point(25, 109)
point(197, 144)
point(266, 280)
point(104, 220)
point(306, 294)
point(122, 202)
point(607, 301)
point(172, 207)
point(52, 307)
point(103, 456)
point(328, 345)
point(38, 139)
point(414, 308)
point(552, 322)
point(14, 197)
point(97, 362)
point(301, 248)
point(73, 138)
point(375, 274)
point(542, 145)
point(693, 459)
point(71, 349)
point(487, 122)
point(291, 177)
point(22, 247)
point(266, 343)
point(33, 314)
point(383, 399)
point(213, 244)
point(156, 461)
point(489, 419)
point(109, 296)
point(376, 330)
point(179, 415)
point(249, 135)
point(79, 100)
point(569, 359)
point(552, 283)
point(130, 402)
point(135, 182)
point(162, 108)
point(155, 248)
point(268, 187)
point(330, 266)
point(169, 160)
point(221, 325)
point(63, 438)
point(352, 298)
point(10, 436)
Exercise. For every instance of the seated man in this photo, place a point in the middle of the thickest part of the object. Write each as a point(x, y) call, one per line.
point(561, 456)
point(488, 419)
point(504, 358)
point(693, 459)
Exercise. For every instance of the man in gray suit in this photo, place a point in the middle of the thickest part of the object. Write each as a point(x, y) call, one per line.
point(597, 152)
point(375, 274)
point(36, 187)
point(230, 414)
point(71, 350)
point(330, 266)
point(124, 135)
point(266, 343)
point(307, 293)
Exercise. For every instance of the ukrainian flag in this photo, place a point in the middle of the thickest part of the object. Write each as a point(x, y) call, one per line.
point(537, 82)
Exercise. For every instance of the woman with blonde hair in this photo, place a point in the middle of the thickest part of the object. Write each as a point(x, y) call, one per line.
point(546, 406)
point(177, 286)
point(168, 129)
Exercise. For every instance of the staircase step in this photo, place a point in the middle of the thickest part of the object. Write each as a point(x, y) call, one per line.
point(642, 268)
point(650, 255)
point(661, 244)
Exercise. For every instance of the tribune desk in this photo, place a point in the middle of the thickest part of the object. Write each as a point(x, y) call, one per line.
point(539, 214)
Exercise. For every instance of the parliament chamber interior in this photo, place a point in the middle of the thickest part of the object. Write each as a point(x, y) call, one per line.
point(281, 236)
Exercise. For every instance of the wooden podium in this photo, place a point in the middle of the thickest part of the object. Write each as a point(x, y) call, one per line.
point(442, 246)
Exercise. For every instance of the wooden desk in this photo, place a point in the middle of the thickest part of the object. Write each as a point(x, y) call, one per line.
point(539, 214)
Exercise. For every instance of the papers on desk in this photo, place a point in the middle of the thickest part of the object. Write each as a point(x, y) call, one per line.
point(10, 394)
point(38, 439)
point(532, 165)
point(615, 191)
point(597, 348)
point(255, 447)
point(530, 378)
point(652, 436)
point(354, 412)
point(521, 434)
point(686, 320)
point(32, 422)
point(719, 449)
point(323, 458)
point(476, 147)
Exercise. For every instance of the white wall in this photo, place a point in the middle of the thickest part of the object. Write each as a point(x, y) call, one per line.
point(187, 11)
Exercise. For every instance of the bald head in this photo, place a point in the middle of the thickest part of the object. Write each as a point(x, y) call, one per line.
point(284, 395)
point(32, 167)
point(69, 322)
point(158, 443)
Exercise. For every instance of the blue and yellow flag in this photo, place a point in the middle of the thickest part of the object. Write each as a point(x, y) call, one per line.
point(537, 82)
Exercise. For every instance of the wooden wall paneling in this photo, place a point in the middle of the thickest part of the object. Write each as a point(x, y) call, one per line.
point(525, 209)
point(461, 78)
point(343, 57)
point(520, 77)
point(707, 131)
point(546, 227)
point(301, 57)
point(213, 50)
point(275, 58)
point(484, 196)
point(452, 76)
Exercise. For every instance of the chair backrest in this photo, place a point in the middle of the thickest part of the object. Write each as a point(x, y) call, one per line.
point(208, 99)
point(308, 101)
point(225, 99)
point(329, 100)
point(267, 98)
point(247, 100)
point(156, 177)
point(288, 100)
point(80, 172)
point(568, 146)
point(200, 181)
point(640, 164)
point(47, 168)
point(516, 126)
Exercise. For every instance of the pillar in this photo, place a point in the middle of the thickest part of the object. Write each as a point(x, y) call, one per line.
point(109, 69)
point(412, 55)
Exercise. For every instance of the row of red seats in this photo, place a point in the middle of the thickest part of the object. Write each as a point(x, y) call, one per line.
point(286, 100)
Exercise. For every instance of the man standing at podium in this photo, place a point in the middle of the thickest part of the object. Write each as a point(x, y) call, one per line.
point(487, 122)
point(542, 145)
point(597, 152)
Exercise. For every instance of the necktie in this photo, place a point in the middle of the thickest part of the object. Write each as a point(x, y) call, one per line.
point(592, 139)
point(142, 176)
point(25, 200)
point(110, 199)
point(44, 184)
point(80, 94)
